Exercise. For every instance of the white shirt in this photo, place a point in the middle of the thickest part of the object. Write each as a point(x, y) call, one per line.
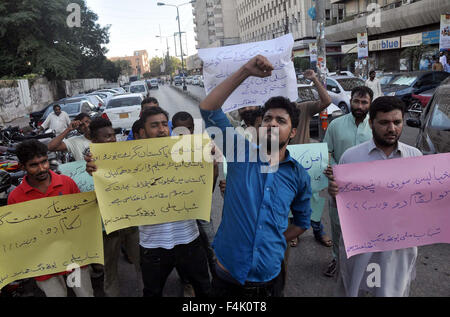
point(398, 266)
point(168, 235)
point(57, 123)
point(76, 145)
point(444, 62)
point(375, 86)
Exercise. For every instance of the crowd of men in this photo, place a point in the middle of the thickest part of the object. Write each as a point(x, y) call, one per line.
point(264, 213)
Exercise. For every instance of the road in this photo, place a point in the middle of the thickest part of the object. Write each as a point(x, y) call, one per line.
point(309, 259)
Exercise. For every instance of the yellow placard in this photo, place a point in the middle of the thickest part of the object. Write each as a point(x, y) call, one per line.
point(46, 236)
point(153, 181)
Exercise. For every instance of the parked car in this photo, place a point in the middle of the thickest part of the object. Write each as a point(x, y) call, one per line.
point(195, 80)
point(340, 89)
point(119, 90)
point(106, 96)
point(126, 88)
point(419, 102)
point(341, 73)
point(154, 83)
point(112, 90)
point(94, 99)
point(404, 85)
point(201, 83)
point(177, 80)
point(73, 109)
point(139, 87)
point(386, 79)
point(123, 110)
point(434, 124)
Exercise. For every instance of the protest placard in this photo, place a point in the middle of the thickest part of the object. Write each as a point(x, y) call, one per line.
point(220, 62)
point(153, 181)
point(394, 204)
point(77, 172)
point(45, 236)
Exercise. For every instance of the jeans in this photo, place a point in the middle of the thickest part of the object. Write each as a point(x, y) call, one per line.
point(224, 285)
point(317, 227)
point(190, 259)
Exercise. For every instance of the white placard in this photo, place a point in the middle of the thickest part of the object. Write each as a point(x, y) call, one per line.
point(445, 32)
point(221, 62)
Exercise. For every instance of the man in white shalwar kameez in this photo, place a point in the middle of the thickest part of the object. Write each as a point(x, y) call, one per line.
point(397, 268)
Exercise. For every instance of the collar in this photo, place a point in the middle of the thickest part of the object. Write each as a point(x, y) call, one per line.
point(56, 181)
point(373, 147)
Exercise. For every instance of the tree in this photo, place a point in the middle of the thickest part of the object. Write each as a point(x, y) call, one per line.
point(155, 66)
point(124, 66)
point(35, 38)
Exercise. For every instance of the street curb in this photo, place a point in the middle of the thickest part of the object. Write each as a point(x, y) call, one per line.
point(187, 93)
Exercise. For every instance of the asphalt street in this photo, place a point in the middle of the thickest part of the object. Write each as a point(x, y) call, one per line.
point(309, 259)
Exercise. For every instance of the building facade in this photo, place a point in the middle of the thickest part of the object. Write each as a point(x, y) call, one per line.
point(139, 62)
point(215, 23)
point(395, 28)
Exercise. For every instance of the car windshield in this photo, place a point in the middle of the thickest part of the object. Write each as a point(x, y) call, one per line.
point(124, 102)
point(71, 108)
point(137, 88)
point(404, 80)
point(349, 83)
point(440, 120)
point(386, 80)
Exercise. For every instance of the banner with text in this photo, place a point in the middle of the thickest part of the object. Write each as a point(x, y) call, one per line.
point(45, 236)
point(394, 204)
point(77, 171)
point(153, 181)
point(444, 41)
point(221, 62)
point(363, 45)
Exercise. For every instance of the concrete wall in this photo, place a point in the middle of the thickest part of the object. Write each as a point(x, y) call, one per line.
point(18, 98)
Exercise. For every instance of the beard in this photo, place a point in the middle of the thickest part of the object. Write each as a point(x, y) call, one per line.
point(281, 144)
point(384, 142)
point(359, 114)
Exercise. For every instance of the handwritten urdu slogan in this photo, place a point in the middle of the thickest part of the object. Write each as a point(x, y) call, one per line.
point(146, 182)
point(77, 171)
point(44, 236)
point(221, 62)
point(394, 204)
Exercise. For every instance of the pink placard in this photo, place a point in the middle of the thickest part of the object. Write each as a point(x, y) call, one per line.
point(394, 204)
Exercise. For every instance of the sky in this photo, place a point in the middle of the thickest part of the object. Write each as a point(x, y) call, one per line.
point(135, 24)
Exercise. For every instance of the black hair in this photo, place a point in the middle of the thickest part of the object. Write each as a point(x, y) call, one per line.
point(283, 103)
point(29, 149)
point(81, 116)
point(372, 72)
point(362, 91)
point(181, 116)
point(54, 106)
point(153, 111)
point(137, 125)
point(149, 100)
point(97, 124)
point(386, 104)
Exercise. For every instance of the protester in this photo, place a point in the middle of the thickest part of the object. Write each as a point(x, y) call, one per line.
point(148, 103)
point(308, 110)
point(102, 132)
point(252, 237)
point(57, 121)
point(397, 268)
point(206, 228)
point(374, 84)
point(342, 134)
point(444, 60)
point(40, 182)
point(168, 245)
point(75, 145)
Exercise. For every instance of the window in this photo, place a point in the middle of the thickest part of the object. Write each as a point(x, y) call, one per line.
point(331, 84)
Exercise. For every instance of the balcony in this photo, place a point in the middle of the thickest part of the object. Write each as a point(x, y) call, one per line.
point(394, 17)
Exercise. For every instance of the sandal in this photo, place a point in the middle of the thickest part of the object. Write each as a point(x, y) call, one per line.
point(324, 240)
point(294, 243)
point(331, 269)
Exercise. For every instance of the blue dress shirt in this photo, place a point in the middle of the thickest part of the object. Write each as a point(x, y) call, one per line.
point(250, 241)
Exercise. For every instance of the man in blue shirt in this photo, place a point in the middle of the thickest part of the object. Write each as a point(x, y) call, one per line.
point(252, 237)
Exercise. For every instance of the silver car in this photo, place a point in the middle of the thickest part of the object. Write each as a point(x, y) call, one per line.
point(340, 90)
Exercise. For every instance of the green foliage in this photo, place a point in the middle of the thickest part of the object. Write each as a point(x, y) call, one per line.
point(414, 54)
point(35, 38)
point(124, 66)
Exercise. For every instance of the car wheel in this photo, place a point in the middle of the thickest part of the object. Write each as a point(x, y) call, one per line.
point(343, 107)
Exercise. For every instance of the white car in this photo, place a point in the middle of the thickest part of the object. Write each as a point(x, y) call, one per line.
point(195, 80)
point(123, 110)
point(139, 87)
point(154, 83)
point(340, 90)
point(119, 90)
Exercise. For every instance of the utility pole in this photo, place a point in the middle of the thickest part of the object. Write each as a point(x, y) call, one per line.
point(321, 60)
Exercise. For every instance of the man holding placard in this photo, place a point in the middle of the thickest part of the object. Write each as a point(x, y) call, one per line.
point(259, 194)
point(396, 268)
point(41, 182)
